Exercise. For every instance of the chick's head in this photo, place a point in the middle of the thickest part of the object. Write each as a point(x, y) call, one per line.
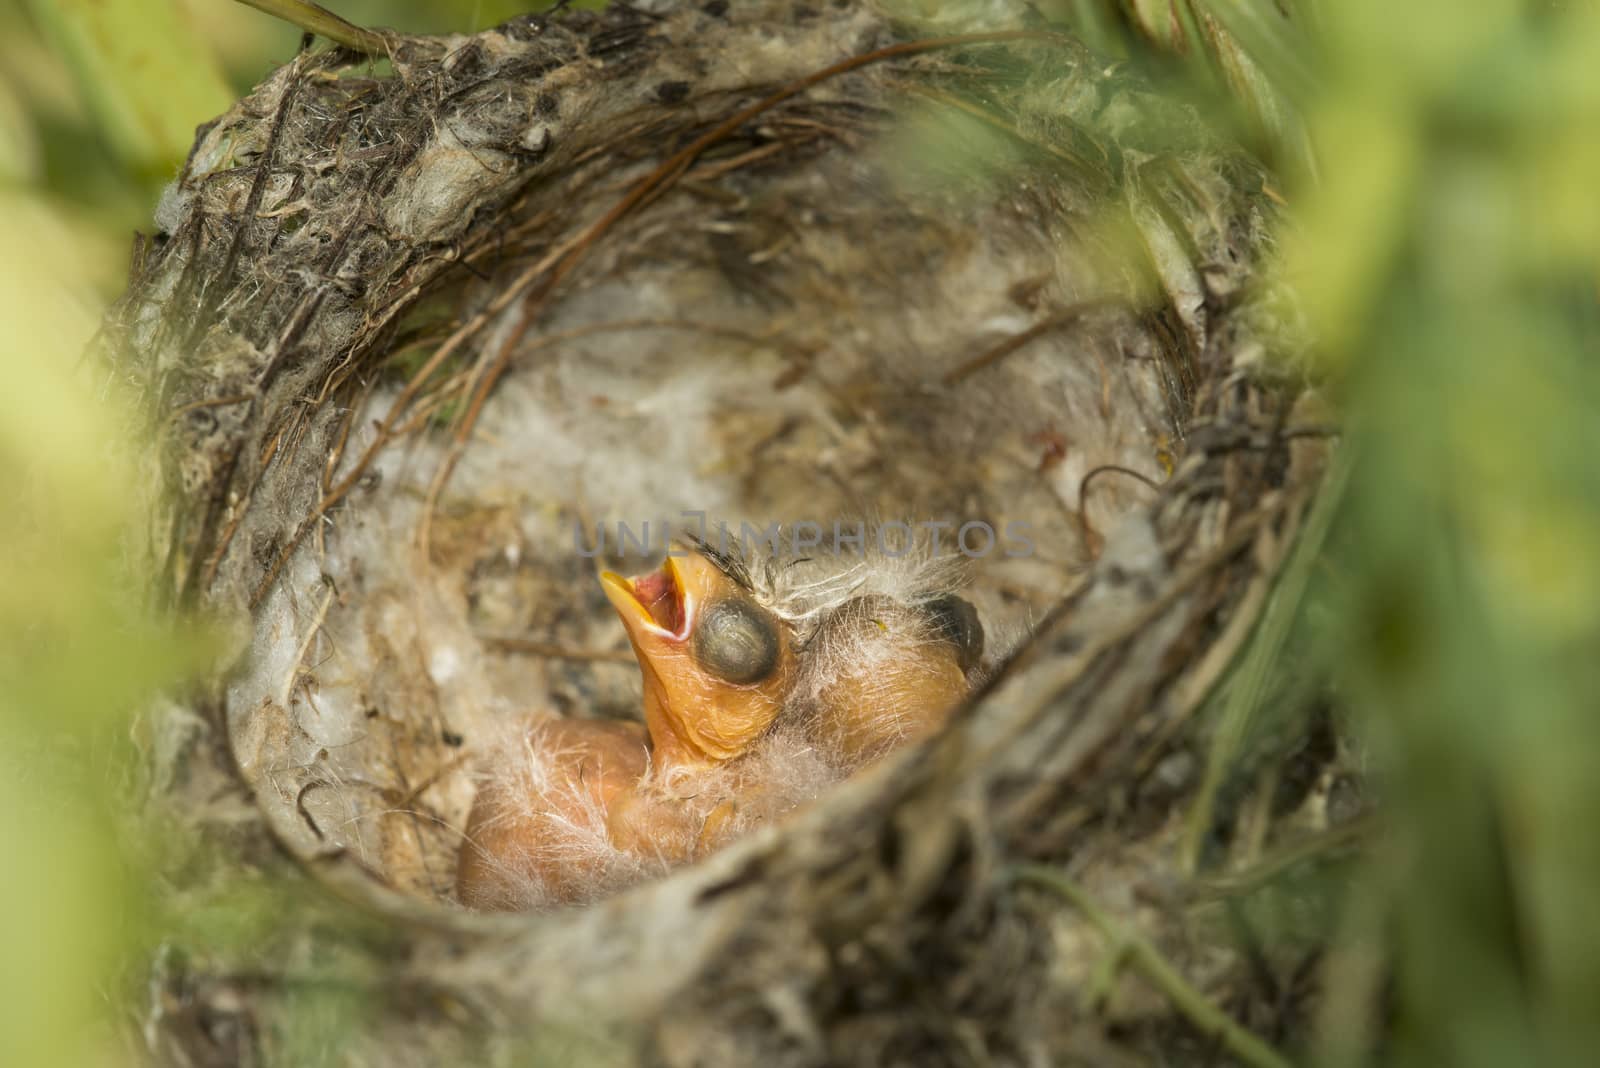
point(879, 673)
point(717, 663)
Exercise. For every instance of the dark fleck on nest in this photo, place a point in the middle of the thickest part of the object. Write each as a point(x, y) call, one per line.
point(400, 334)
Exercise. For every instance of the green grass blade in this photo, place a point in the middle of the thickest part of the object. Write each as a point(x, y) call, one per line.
point(144, 72)
point(1098, 27)
point(319, 20)
point(1270, 40)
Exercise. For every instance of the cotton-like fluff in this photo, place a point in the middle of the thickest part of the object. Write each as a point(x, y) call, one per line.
point(541, 836)
point(804, 584)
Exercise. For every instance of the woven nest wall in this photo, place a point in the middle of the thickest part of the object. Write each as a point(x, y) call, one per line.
point(404, 330)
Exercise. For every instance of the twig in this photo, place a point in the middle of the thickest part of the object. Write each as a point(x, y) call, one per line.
point(381, 438)
point(210, 402)
point(1017, 341)
point(1192, 691)
point(1084, 168)
point(1056, 679)
point(213, 290)
point(1091, 537)
point(305, 647)
point(1144, 957)
point(316, 19)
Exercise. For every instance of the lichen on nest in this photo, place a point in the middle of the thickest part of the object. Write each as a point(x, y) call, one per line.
point(402, 333)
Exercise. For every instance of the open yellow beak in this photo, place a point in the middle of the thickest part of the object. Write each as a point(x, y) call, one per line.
point(694, 716)
point(657, 603)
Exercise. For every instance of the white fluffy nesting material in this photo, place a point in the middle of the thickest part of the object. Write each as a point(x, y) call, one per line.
point(803, 585)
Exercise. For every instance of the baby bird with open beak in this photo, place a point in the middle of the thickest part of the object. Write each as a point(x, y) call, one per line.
point(716, 662)
point(590, 795)
point(755, 699)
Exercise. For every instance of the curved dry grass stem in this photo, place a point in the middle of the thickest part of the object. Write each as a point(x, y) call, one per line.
point(536, 283)
point(1341, 840)
point(647, 190)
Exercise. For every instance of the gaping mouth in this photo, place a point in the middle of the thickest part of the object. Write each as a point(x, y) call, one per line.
point(657, 600)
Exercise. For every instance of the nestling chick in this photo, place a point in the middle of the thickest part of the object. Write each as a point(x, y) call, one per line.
point(717, 663)
point(879, 673)
point(757, 695)
point(717, 667)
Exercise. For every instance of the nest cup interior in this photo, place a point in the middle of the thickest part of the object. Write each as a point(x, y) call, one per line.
point(831, 316)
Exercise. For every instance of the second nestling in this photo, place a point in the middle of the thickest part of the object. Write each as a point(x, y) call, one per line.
point(762, 687)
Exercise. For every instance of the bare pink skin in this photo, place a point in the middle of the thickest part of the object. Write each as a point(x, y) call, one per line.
point(603, 778)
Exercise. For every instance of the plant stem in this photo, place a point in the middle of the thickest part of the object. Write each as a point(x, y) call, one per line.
point(1143, 956)
point(316, 19)
point(1248, 687)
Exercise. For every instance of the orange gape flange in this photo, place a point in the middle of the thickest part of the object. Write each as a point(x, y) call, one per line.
point(717, 667)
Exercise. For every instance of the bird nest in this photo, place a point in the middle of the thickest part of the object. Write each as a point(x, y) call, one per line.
point(419, 340)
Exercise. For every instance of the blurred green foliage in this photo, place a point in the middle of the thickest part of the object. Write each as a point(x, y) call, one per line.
point(98, 104)
point(142, 70)
point(76, 650)
point(99, 99)
point(1450, 261)
point(1441, 169)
